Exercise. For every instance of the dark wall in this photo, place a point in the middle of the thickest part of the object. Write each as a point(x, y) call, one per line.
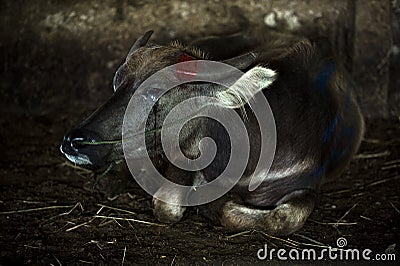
point(62, 54)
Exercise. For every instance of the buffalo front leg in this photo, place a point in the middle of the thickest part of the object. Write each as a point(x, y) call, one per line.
point(168, 212)
point(288, 216)
point(173, 211)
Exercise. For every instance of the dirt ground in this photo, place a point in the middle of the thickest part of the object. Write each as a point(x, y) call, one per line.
point(53, 213)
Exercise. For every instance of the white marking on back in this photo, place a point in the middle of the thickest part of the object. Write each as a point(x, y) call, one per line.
point(244, 89)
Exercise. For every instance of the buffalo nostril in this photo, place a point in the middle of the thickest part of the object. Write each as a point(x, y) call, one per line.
point(81, 142)
point(77, 141)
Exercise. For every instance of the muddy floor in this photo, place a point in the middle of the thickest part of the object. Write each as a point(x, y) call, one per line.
point(52, 213)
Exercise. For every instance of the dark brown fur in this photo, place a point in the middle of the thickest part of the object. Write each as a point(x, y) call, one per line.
point(303, 113)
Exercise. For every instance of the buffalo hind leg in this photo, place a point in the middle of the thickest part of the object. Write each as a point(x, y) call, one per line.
point(288, 216)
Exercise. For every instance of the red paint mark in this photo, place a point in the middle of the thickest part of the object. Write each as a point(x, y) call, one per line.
point(184, 57)
point(186, 70)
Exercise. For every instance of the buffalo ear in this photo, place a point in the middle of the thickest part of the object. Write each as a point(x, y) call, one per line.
point(140, 42)
point(244, 89)
point(121, 72)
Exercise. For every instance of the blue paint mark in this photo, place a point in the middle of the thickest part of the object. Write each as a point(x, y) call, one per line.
point(323, 77)
point(339, 149)
point(319, 171)
point(337, 138)
point(345, 134)
point(331, 128)
point(336, 153)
